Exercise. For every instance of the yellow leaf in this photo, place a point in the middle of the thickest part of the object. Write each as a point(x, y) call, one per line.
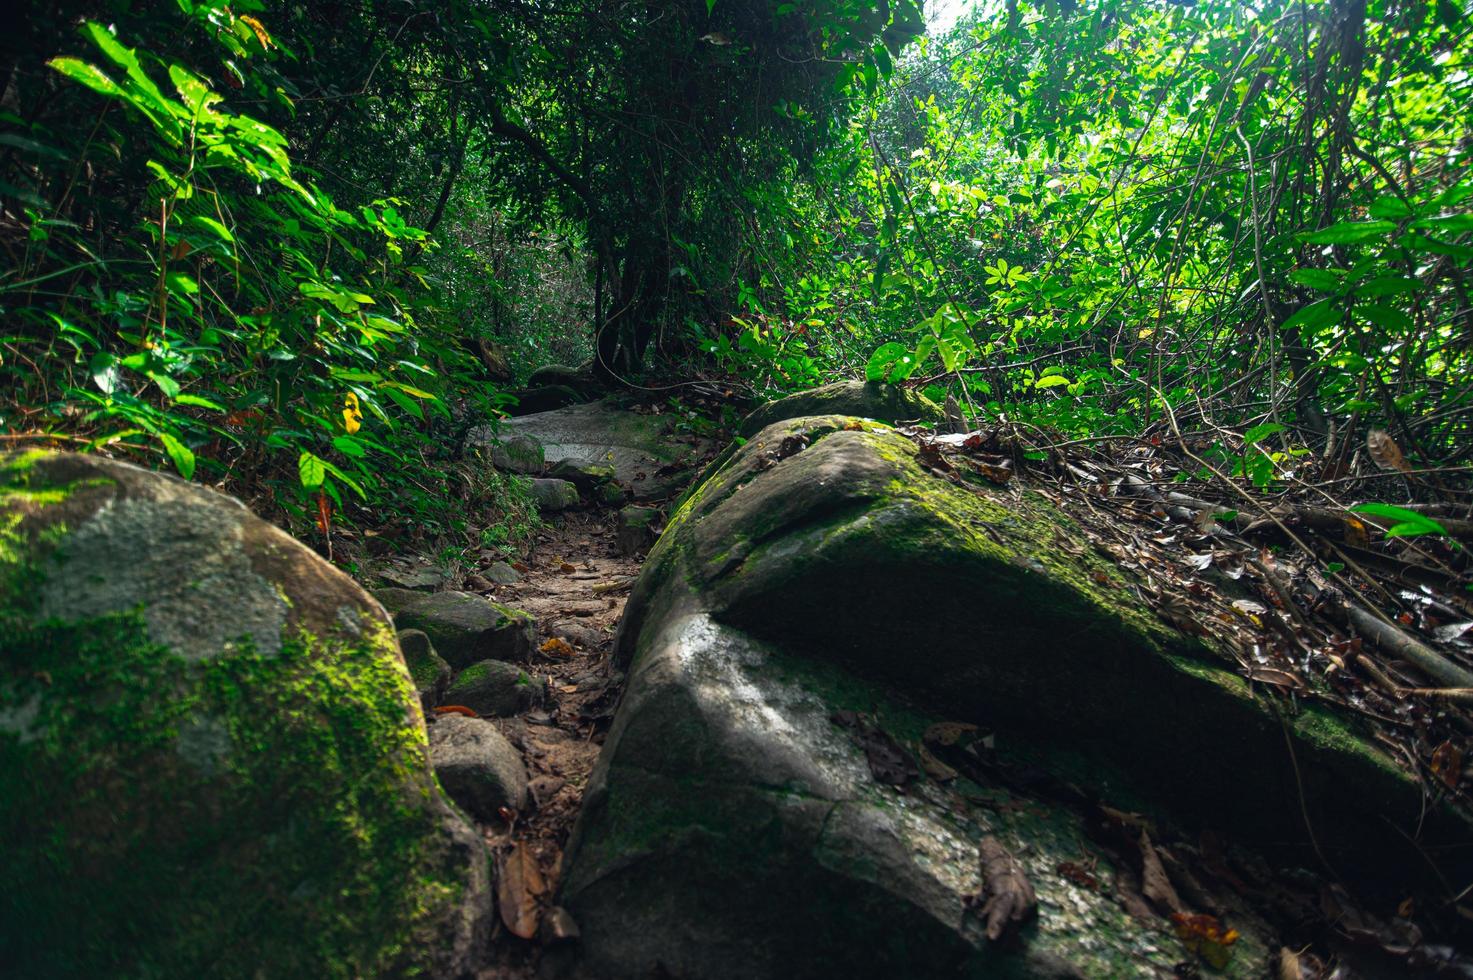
point(352, 414)
point(259, 29)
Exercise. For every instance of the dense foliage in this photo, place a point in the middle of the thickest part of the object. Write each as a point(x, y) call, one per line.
point(272, 242)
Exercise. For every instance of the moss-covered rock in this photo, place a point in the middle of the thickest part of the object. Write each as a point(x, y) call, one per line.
point(648, 455)
point(861, 399)
point(465, 628)
point(554, 495)
point(427, 669)
point(823, 567)
point(212, 760)
point(496, 688)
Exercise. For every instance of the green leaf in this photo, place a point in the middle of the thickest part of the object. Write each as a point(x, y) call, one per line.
point(89, 75)
point(179, 453)
point(1384, 316)
point(105, 372)
point(891, 362)
point(349, 446)
point(1259, 433)
point(1321, 279)
point(198, 402)
point(310, 470)
point(1316, 314)
point(1053, 381)
point(1348, 232)
point(1410, 523)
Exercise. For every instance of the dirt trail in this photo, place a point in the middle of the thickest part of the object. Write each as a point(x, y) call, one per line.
point(576, 584)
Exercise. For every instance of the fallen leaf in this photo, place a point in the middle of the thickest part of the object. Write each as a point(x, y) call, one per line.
point(567, 568)
point(556, 647)
point(1385, 452)
point(1008, 897)
point(1271, 675)
point(1155, 885)
point(888, 762)
point(520, 889)
point(1205, 936)
point(1447, 764)
point(935, 768)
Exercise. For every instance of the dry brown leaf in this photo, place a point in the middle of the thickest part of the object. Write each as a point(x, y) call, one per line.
point(1385, 452)
point(520, 889)
point(1009, 900)
point(1289, 968)
point(555, 647)
point(1155, 885)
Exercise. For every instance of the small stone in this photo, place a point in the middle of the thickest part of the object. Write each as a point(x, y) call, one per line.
point(584, 473)
point(554, 495)
point(464, 628)
point(427, 669)
point(496, 689)
point(577, 634)
point(636, 533)
point(478, 768)
point(478, 583)
point(501, 573)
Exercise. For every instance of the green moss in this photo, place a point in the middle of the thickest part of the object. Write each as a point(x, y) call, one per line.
point(471, 675)
point(243, 816)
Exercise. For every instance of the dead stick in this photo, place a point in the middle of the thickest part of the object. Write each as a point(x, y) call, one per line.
point(1393, 640)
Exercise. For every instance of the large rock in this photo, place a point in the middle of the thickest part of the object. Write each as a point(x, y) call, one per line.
point(730, 829)
point(646, 453)
point(463, 627)
point(478, 767)
point(867, 400)
point(508, 452)
point(427, 669)
point(496, 688)
point(212, 761)
point(554, 495)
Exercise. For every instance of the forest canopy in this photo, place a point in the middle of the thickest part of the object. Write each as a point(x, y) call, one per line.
point(267, 243)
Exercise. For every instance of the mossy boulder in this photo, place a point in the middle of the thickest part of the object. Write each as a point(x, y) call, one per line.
point(212, 759)
point(427, 669)
point(513, 453)
point(861, 399)
point(646, 452)
point(584, 474)
point(554, 495)
point(465, 628)
point(824, 568)
point(496, 688)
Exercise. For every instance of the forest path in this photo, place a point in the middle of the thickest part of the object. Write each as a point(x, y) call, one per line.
point(575, 584)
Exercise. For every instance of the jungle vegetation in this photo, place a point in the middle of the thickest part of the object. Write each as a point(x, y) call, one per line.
point(261, 242)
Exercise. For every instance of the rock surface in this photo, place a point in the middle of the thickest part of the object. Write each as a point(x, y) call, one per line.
point(732, 829)
point(584, 474)
point(464, 628)
point(495, 689)
point(636, 530)
point(478, 768)
point(554, 495)
point(427, 669)
point(212, 761)
point(868, 400)
point(644, 450)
